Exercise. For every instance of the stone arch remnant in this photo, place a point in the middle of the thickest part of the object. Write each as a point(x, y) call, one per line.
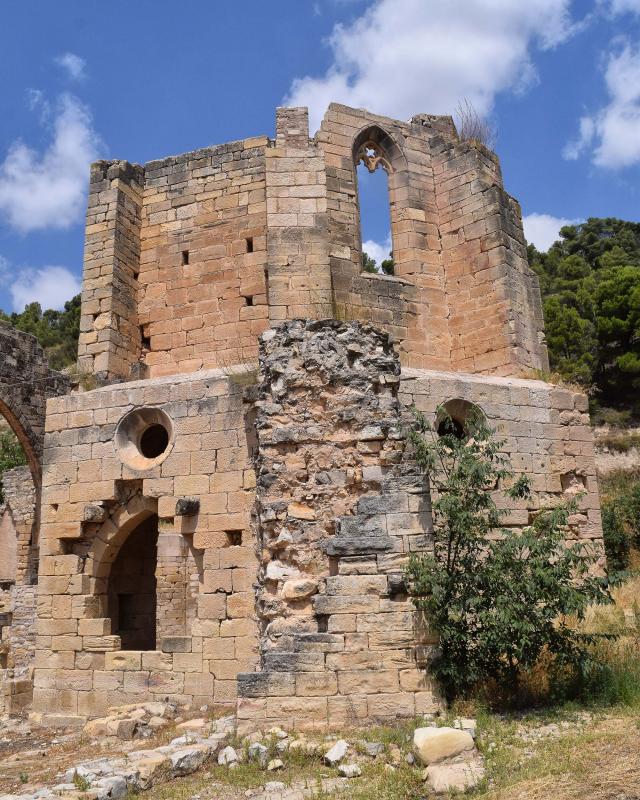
point(26, 383)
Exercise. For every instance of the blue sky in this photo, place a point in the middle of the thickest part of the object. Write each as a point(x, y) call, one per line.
point(87, 79)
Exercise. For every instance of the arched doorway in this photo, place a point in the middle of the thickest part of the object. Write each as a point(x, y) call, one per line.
point(132, 592)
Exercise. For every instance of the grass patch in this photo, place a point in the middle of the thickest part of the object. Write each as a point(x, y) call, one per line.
point(554, 378)
point(617, 482)
point(618, 442)
point(600, 763)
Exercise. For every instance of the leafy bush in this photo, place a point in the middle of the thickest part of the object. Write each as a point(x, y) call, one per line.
point(497, 603)
point(616, 541)
point(621, 518)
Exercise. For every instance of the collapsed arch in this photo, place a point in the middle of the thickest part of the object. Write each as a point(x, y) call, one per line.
point(26, 383)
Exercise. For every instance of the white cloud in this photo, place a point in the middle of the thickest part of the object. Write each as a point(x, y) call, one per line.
point(574, 149)
point(542, 230)
point(613, 133)
point(378, 251)
point(624, 6)
point(50, 286)
point(403, 57)
point(47, 190)
point(73, 65)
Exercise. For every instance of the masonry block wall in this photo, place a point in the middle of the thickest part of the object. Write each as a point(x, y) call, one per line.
point(17, 590)
point(202, 558)
point(340, 509)
point(546, 434)
point(17, 518)
point(189, 259)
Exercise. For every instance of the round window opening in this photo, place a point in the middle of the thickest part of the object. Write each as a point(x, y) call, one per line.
point(144, 438)
point(154, 441)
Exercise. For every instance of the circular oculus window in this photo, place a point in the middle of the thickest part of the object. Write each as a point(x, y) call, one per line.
point(144, 438)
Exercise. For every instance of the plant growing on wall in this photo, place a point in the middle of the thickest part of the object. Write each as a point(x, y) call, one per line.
point(498, 597)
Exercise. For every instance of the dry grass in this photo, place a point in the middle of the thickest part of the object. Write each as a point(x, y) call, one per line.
point(618, 442)
point(554, 378)
point(602, 764)
point(474, 128)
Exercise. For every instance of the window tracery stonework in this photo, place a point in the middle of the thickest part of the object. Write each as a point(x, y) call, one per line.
point(372, 156)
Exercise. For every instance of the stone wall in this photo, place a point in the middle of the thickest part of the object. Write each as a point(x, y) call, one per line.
point(18, 572)
point(98, 489)
point(189, 259)
point(463, 296)
point(339, 510)
point(546, 433)
point(18, 552)
point(175, 263)
point(17, 647)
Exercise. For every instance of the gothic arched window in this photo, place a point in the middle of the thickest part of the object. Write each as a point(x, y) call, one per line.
point(373, 168)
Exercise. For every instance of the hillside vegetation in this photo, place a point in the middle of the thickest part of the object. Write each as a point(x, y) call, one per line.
point(590, 282)
point(57, 331)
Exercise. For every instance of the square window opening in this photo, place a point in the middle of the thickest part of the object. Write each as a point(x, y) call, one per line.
point(234, 538)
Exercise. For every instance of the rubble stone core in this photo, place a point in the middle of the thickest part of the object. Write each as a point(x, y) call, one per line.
point(338, 510)
point(226, 518)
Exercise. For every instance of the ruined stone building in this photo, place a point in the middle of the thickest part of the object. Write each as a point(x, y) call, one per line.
point(225, 516)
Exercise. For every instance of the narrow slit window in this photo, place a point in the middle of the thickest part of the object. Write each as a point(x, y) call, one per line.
point(375, 210)
point(248, 300)
point(145, 340)
point(185, 257)
point(249, 242)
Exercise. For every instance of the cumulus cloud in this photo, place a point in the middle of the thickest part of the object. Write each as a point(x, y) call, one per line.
point(47, 189)
point(402, 57)
point(612, 135)
point(378, 251)
point(51, 286)
point(542, 230)
point(73, 65)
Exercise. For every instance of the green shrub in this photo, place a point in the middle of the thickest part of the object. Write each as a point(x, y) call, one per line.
point(612, 417)
point(616, 541)
point(612, 676)
point(620, 518)
point(498, 603)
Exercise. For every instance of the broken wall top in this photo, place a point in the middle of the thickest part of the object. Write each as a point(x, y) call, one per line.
point(190, 258)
